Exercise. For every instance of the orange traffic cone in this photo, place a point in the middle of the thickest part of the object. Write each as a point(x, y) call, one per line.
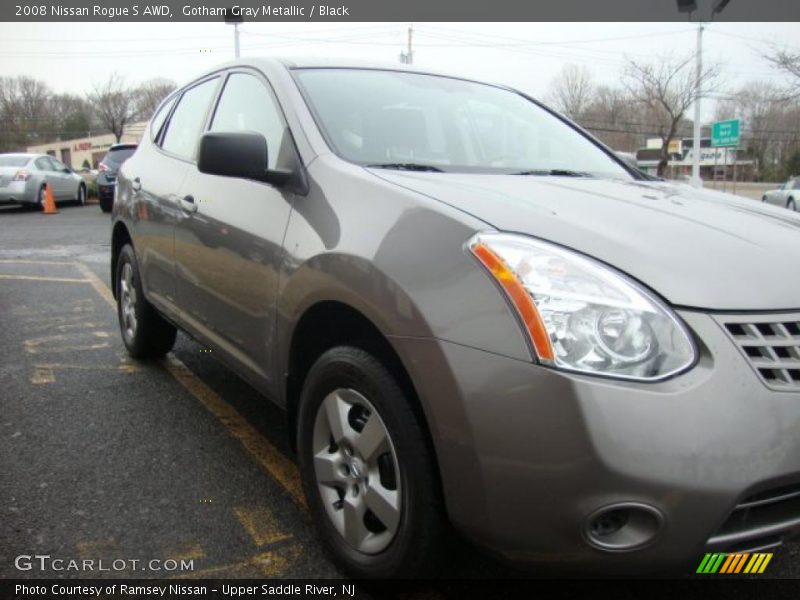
point(49, 202)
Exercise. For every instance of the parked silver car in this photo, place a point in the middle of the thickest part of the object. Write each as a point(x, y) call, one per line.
point(474, 314)
point(23, 178)
point(787, 196)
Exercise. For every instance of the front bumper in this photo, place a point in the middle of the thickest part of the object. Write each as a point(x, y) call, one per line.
point(527, 454)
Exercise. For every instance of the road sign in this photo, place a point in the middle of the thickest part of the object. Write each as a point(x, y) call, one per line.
point(725, 133)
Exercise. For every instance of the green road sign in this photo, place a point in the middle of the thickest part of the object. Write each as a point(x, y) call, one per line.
point(725, 133)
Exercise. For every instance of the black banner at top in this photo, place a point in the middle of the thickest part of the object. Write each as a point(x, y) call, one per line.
point(394, 10)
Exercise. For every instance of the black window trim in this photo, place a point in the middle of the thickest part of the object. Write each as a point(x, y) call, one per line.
point(219, 76)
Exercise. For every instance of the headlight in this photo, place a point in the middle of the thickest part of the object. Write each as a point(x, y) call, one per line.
point(582, 315)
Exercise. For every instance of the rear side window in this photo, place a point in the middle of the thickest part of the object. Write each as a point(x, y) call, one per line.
point(797, 184)
point(119, 156)
point(247, 105)
point(43, 164)
point(186, 123)
point(158, 120)
point(14, 161)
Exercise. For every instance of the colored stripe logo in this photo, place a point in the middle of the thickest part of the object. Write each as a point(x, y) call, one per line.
point(728, 564)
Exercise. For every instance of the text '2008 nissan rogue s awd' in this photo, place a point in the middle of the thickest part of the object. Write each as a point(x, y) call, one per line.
point(473, 313)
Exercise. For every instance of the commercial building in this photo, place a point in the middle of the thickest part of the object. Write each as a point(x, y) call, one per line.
point(716, 164)
point(88, 151)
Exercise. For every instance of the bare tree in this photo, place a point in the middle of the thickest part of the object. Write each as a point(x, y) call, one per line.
point(615, 118)
point(789, 63)
point(150, 94)
point(572, 90)
point(769, 124)
point(666, 88)
point(114, 103)
point(24, 115)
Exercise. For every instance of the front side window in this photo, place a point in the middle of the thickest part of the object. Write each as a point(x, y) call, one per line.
point(186, 124)
point(43, 164)
point(384, 117)
point(247, 105)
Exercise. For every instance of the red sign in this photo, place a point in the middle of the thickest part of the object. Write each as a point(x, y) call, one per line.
point(82, 146)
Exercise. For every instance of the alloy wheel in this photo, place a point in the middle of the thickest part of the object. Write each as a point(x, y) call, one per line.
point(357, 472)
point(127, 292)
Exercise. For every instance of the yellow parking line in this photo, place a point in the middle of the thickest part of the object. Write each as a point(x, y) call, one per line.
point(191, 551)
point(283, 470)
point(49, 279)
point(270, 564)
point(42, 375)
point(97, 283)
point(260, 524)
point(15, 261)
point(266, 455)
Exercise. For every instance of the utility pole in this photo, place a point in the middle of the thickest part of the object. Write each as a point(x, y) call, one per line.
point(407, 57)
point(234, 20)
point(696, 180)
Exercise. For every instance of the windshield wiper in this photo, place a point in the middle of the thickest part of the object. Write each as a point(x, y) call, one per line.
point(554, 172)
point(406, 167)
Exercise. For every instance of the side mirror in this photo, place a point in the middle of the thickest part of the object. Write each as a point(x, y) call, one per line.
point(238, 154)
point(66, 170)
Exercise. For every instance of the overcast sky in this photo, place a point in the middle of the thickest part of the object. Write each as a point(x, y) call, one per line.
point(69, 57)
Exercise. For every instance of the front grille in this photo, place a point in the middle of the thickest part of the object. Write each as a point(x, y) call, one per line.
point(761, 520)
point(772, 346)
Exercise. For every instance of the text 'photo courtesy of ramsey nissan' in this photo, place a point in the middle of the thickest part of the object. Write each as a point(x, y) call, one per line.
point(419, 301)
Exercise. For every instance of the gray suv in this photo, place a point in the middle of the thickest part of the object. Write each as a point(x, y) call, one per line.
point(474, 315)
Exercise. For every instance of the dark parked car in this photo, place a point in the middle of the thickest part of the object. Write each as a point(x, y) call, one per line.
point(474, 314)
point(107, 173)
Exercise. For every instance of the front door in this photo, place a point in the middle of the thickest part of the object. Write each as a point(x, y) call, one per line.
point(228, 245)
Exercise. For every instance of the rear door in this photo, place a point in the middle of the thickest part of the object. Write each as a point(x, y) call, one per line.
point(63, 184)
point(155, 174)
point(46, 170)
point(228, 243)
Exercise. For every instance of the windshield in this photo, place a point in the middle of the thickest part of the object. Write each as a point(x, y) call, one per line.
point(409, 120)
point(14, 161)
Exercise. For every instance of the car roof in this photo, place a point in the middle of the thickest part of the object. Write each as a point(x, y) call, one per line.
point(22, 154)
point(318, 62)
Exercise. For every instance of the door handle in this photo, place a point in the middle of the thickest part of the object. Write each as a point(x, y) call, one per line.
point(136, 184)
point(188, 204)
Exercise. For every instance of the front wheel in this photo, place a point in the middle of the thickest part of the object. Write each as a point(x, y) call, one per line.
point(791, 204)
point(80, 198)
point(367, 468)
point(145, 333)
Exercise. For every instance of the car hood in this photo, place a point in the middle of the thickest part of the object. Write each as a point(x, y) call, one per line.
point(696, 248)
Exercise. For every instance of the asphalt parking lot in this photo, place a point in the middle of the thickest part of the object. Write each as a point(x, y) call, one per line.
point(103, 457)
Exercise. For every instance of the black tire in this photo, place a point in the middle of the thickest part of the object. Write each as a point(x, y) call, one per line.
point(105, 205)
point(151, 336)
point(418, 542)
point(763, 198)
point(790, 204)
point(39, 206)
point(80, 199)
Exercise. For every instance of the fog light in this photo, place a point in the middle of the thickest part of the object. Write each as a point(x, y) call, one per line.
point(623, 527)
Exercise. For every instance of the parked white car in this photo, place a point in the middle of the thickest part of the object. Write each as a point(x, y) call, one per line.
point(788, 195)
